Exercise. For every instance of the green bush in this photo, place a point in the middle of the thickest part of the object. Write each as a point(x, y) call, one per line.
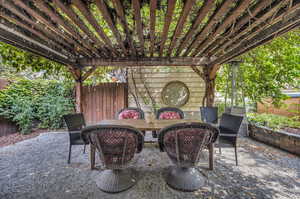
point(274, 121)
point(36, 101)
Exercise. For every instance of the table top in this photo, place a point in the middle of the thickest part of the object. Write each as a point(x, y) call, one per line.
point(144, 125)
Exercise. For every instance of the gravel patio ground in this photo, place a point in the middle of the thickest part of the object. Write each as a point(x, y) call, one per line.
point(37, 168)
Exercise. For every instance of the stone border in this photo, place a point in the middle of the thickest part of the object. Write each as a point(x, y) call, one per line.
point(281, 139)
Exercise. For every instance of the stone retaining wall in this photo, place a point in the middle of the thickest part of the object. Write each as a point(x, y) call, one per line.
point(286, 141)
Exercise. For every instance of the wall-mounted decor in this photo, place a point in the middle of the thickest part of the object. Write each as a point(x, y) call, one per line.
point(175, 94)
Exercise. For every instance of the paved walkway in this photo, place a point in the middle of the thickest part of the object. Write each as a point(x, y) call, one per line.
point(37, 168)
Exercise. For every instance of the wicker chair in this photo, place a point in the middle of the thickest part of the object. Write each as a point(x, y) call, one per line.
point(140, 113)
point(116, 146)
point(229, 128)
point(75, 123)
point(178, 114)
point(209, 114)
point(183, 143)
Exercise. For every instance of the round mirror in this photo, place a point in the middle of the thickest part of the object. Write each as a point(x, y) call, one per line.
point(175, 94)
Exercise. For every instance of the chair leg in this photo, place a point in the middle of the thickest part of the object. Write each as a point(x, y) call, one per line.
point(70, 151)
point(236, 158)
point(220, 149)
point(84, 149)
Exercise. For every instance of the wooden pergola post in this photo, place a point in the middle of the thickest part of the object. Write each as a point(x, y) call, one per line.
point(209, 76)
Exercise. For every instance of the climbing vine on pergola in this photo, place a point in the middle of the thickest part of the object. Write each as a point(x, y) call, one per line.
point(86, 34)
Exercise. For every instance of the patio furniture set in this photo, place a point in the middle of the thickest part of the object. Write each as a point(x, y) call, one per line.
point(117, 141)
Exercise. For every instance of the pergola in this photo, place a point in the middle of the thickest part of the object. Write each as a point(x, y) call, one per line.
point(86, 34)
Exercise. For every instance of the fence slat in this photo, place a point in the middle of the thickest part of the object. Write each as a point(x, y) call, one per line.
point(103, 101)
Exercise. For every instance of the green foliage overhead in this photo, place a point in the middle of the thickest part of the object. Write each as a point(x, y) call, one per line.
point(36, 101)
point(268, 69)
point(274, 121)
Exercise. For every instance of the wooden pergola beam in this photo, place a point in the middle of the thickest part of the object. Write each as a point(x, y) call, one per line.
point(106, 15)
point(243, 5)
point(11, 36)
point(168, 19)
point(204, 10)
point(145, 61)
point(138, 22)
point(153, 5)
point(78, 22)
point(261, 21)
point(179, 27)
point(217, 16)
point(39, 18)
point(91, 19)
point(290, 22)
point(251, 13)
point(120, 12)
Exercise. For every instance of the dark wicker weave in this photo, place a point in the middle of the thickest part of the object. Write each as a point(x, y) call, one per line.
point(116, 146)
point(229, 128)
point(183, 143)
point(167, 109)
point(140, 111)
point(75, 123)
point(209, 114)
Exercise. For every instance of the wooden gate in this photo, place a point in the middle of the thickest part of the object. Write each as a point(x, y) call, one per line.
point(103, 101)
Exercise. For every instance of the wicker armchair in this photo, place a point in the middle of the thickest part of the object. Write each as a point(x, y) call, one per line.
point(168, 113)
point(209, 114)
point(229, 128)
point(183, 143)
point(75, 123)
point(116, 146)
point(130, 113)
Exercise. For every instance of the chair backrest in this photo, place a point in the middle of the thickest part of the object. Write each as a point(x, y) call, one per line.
point(130, 113)
point(209, 114)
point(75, 122)
point(116, 144)
point(169, 113)
point(184, 142)
point(230, 123)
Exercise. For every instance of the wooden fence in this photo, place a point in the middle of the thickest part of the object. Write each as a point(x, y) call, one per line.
point(103, 101)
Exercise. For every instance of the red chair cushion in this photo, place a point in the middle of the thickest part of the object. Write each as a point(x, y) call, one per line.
point(169, 115)
point(129, 114)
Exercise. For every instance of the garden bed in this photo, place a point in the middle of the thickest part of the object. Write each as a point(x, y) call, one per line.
point(289, 141)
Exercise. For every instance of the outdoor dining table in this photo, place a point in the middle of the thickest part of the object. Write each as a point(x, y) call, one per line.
point(154, 125)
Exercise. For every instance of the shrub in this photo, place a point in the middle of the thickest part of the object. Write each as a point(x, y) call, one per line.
point(43, 101)
point(274, 121)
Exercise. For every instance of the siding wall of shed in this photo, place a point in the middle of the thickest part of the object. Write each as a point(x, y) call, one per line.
point(157, 77)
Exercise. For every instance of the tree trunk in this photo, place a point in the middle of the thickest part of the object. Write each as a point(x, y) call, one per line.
point(209, 76)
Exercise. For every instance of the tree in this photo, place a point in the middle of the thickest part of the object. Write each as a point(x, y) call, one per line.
point(269, 69)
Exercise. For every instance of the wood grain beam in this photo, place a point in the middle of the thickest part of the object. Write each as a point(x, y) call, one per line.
point(179, 27)
point(204, 10)
point(39, 18)
point(101, 5)
point(217, 16)
point(11, 36)
point(121, 15)
point(260, 21)
point(34, 34)
point(79, 23)
point(240, 8)
point(51, 36)
point(92, 20)
point(168, 19)
point(57, 18)
point(138, 23)
point(146, 61)
point(153, 5)
point(290, 21)
point(251, 13)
